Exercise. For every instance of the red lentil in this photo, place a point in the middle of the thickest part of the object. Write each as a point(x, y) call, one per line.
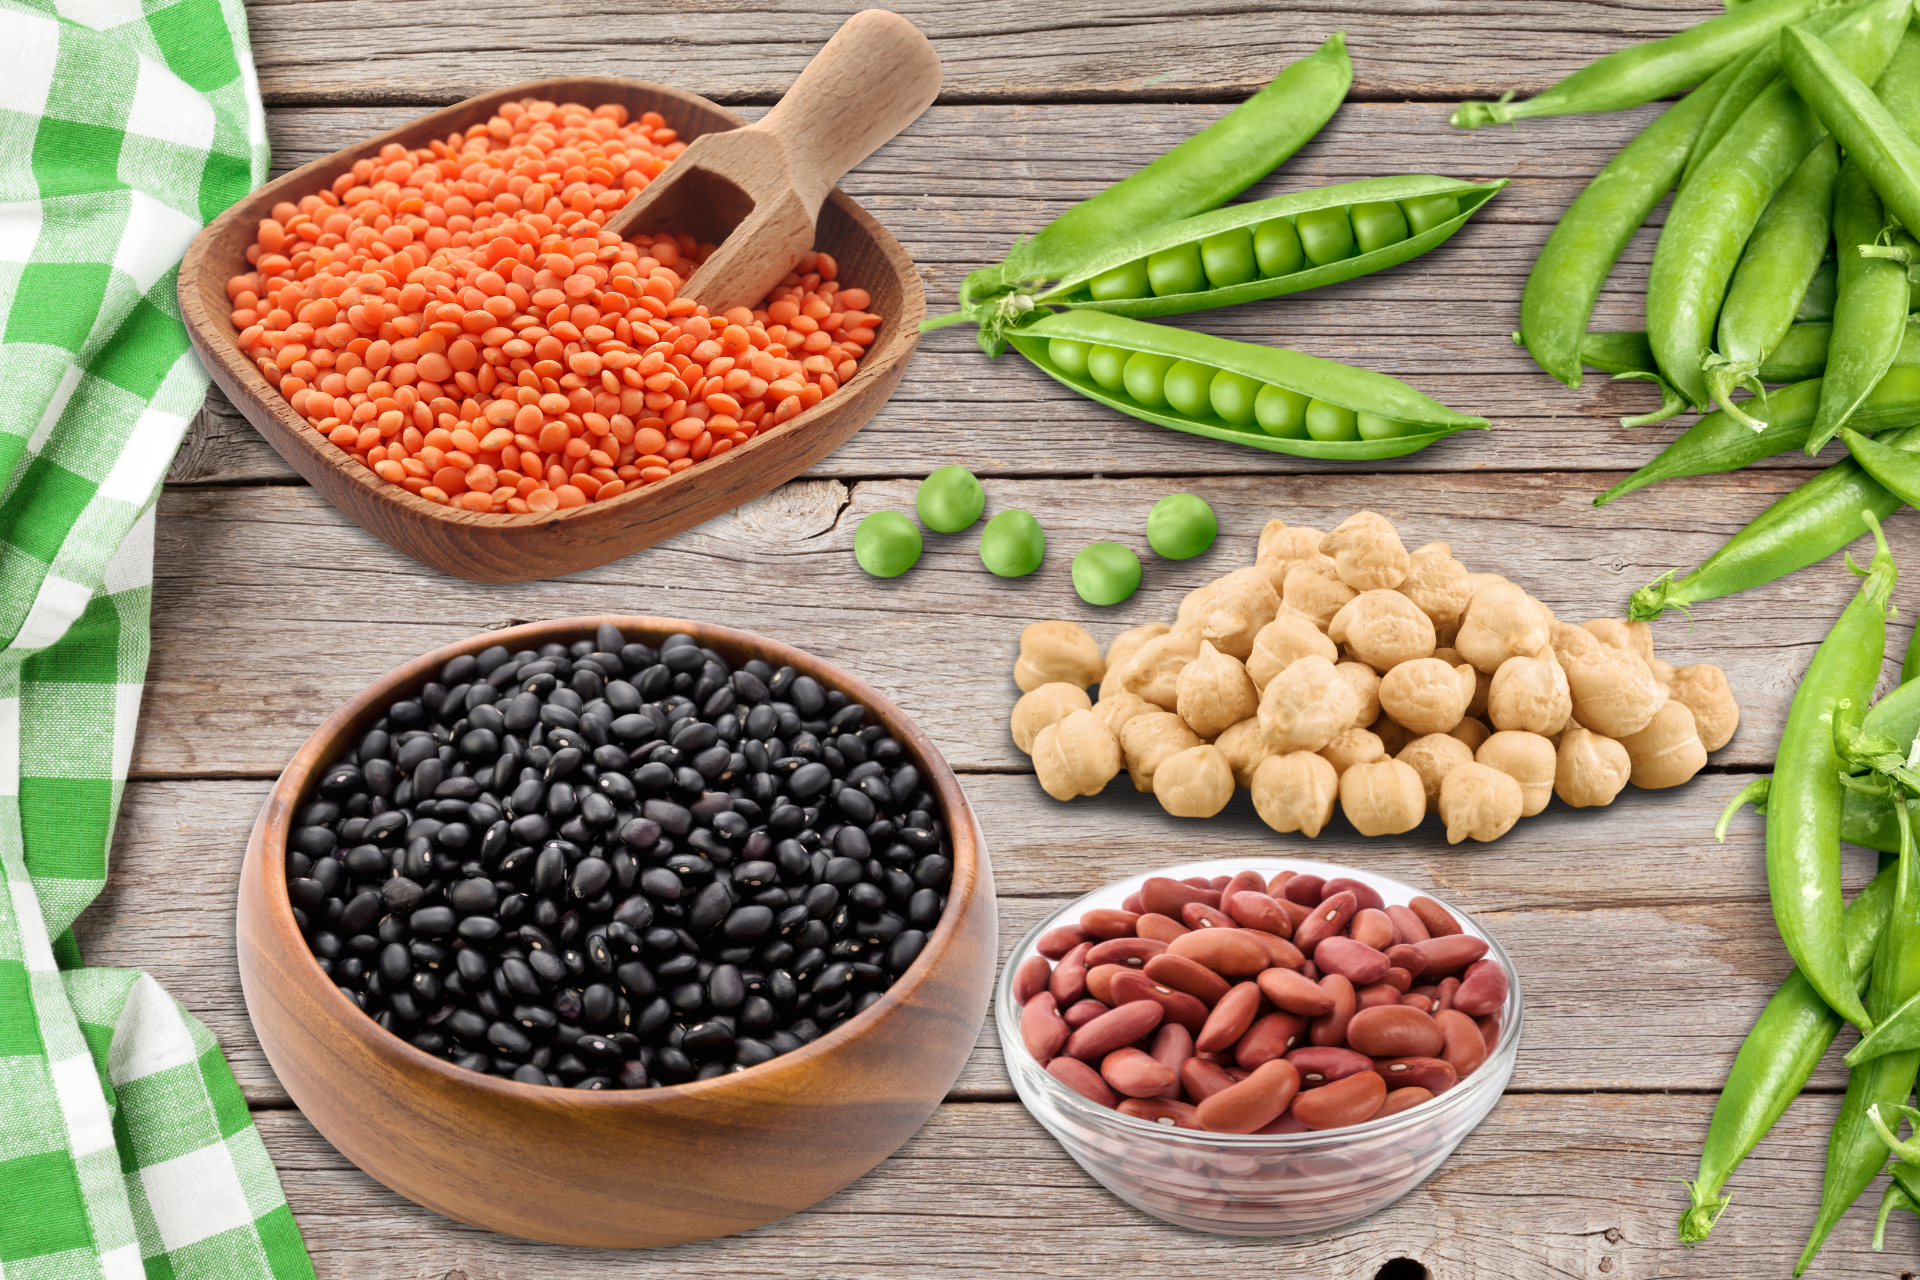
point(454, 318)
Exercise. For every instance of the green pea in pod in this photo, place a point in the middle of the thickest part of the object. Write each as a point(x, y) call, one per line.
point(1268, 397)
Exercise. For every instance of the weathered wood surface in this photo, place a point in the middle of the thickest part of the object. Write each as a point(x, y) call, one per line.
point(1546, 1188)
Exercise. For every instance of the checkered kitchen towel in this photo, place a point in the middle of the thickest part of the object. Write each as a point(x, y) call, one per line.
point(126, 1150)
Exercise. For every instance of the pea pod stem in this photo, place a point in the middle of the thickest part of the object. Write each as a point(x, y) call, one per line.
point(1895, 1197)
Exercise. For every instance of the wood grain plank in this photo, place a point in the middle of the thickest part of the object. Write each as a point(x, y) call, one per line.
point(1545, 1188)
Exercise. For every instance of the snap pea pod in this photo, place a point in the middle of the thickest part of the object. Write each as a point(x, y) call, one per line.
point(1202, 173)
point(1647, 71)
point(1802, 527)
point(1715, 212)
point(1717, 443)
point(1267, 397)
point(1804, 798)
point(1580, 252)
point(1818, 304)
point(1775, 269)
point(1869, 313)
point(1745, 76)
point(1265, 248)
point(1777, 1058)
point(1896, 469)
point(1836, 87)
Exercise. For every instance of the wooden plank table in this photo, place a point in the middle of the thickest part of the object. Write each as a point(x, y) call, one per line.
point(1645, 948)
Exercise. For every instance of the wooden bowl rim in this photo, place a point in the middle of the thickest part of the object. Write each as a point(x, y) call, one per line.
point(276, 820)
point(215, 339)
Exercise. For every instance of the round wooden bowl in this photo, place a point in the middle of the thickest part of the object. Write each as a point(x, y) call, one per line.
point(615, 1169)
point(509, 548)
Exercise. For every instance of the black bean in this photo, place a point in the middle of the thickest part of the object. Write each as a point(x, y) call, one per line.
point(748, 923)
point(710, 905)
point(591, 876)
point(471, 897)
point(432, 922)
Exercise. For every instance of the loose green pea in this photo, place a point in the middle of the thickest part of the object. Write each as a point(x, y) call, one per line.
point(886, 544)
point(1176, 270)
point(1106, 573)
point(1331, 422)
point(1276, 246)
point(1373, 427)
point(1326, 236)
point(1181, 526)
point(1108, 366)
point(1146, 376)
point(1188, 386)
point(1129, 281)
point(1426, 212)
point(1229, 258)
point(1232, 396)
point(1012, 545)
point(1281, 412)
point(1377, 224)
point(950, 500)
point(1069, 355)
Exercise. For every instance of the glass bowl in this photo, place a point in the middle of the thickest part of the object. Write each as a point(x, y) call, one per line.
point(1256, 1184)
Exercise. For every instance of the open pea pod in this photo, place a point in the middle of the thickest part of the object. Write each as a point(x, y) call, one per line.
point(1266, 248)
point(1268, 397)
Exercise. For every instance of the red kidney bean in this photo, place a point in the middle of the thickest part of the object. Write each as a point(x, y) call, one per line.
point(1158, 928)
point(1172, 1046)
point(1271, 1036)
point(1227, 952)
point(1202, 1078)
point(1435, 1075)
point(1398, 1100)
point(1365, 894)
point(1256, 910)
point(1438, 920)
point(1399, 979)
point(1305, 889)
point(1328, 919)
point(1083, 1080)
point(1245, 882)
point(1132, 903)
point(1100, 980)
point(1323, 1064)
point(1426, 1004)
point(1372, 928)
point(1289, 991)
point(1069, 981)
point(1042, 1029)
point(1254, 1102)
point(1287, 1123)
point(1483, 989)
point(1277, 886)
point(1410, 926)
point(1489, 1030)
point(1198, 915)
point(1357, 962)
point(1111, 1030)
point(1230, 1018)
point(1297, 912)
point(1463, 1046)
point(1081, 1012)
point(1331, 1028)
point(1055, 943)
point(1131, 952)
point(1280, 953)
point(1189, 976)
point(1394, 1031)
point(1135, 1074)
point(1180, 1008)
point(1447, 987)
point(1308, 970)
point(1235, 1074)
point(1030, 979)
point(1408, 956)
point(1342, 1103)
point(1104, 922)
point(1377, 994)
point(1165, 897)
point(1206, 882)
point(1450, 954)
point(1163, 1111)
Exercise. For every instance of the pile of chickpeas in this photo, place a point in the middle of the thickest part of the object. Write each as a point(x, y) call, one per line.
point(1341, 667)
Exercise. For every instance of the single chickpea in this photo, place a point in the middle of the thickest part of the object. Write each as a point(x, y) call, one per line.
point(1295, 791)
point(1315, 592)
point(1437, 584)
point(1590, 770)
point(1148, 739)
point(1703, 688)
point(1057, 651)
point(1478, 802)
point(1614, 692)
point(1501, 622)
point(1527, 758)
point(1617, 633)
point(1154, 670)
point(1383, 799)
point(1472, 730)
point(1283, 546)
point(1245, 747)
point(1366, 687)
point(1306, 705)
point(1668, 751)
point(1351, 747)
point(1530, 694)
point(1120, 651)
point(1049, 704)
point(1382, 629)
point(1367, 551)
point(1195, 783)
point(1282, 641)
point(1076, 757)
point(1114, 712)
point(1214, 693)
point(1240, 605)
point(1426, 695)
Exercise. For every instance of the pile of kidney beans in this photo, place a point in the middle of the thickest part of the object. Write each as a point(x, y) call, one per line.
point(1246, 1005)
point(600, 865)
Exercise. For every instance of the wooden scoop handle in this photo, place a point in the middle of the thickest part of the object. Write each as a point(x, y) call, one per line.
point(869, 82)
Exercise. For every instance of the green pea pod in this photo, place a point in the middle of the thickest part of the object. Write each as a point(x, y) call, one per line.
point(1803, 526)
point(1776, 1059)
point(1869, 313)
point(1818, 304)
point(1216, 387)
point(1898, 1032)
point(1202, 173)
point(1896, 716)
point(1804, 800)
point(1645, 72)
point(1836, 86)
point(1580, 251)
point(1897, 469)
point(1802, 354)
point(1910, 661)
point(1130, 269)
point(1714, 213)
point(1778, 264)
point(1747, 76)
point(1717, 443)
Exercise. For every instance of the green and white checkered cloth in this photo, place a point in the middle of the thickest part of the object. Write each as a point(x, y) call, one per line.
point(126, 1149)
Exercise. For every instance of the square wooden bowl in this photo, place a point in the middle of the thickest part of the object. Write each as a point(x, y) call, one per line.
point(513, 548)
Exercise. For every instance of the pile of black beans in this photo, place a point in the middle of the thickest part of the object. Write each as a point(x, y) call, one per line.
point(602, 865)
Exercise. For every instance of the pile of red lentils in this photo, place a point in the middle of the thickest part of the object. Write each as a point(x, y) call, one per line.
point(455, 318)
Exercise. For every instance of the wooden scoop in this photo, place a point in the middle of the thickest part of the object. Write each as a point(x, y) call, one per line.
point(758, 190)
